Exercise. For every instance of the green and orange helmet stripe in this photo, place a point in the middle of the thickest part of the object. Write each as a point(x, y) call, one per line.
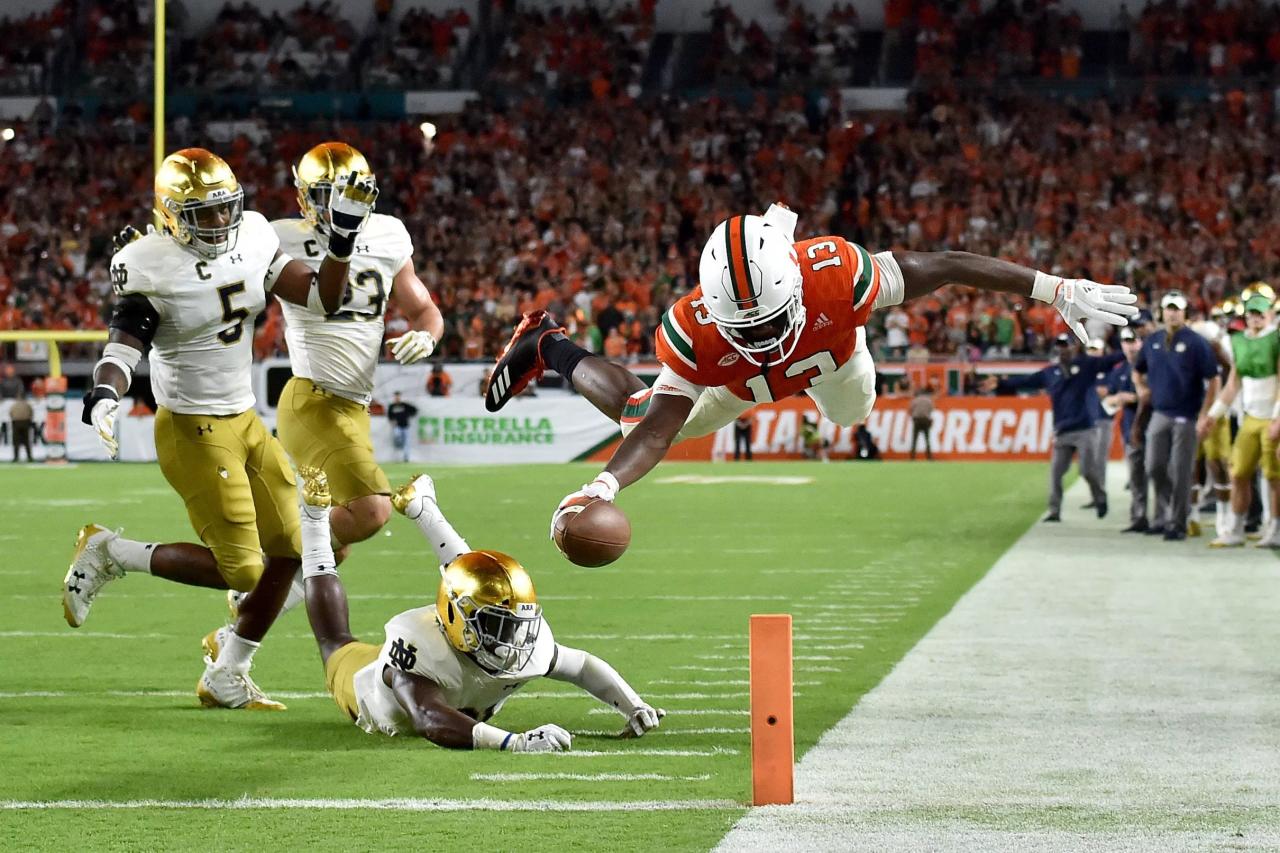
point(735, 237)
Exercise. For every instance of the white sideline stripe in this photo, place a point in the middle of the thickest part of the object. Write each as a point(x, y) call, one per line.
point(92, 635)
point(664, 732)
point(585, 777)
point(294, 694)
point(1093, 692)
point(683, 712)
point(405, 805)
point(742, 682)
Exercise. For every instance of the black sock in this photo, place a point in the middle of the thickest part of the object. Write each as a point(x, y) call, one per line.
point(561, 354)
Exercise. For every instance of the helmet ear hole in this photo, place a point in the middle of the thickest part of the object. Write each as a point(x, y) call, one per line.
point(452, 618)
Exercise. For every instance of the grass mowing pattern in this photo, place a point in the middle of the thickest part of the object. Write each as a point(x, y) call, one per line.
point(866, 557)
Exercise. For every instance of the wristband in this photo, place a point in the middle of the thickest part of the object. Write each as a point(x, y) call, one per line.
point(485, 736)
point(98, 392)
point(1217, 410)
point(610, 481)
point(1045, 287)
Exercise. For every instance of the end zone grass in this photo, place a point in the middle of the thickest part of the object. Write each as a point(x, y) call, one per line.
point(866, 556)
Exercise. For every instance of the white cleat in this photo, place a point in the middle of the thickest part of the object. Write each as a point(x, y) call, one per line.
point(409, 499)
point(1228, 540)
point(91, 568)
point(220, 687)
point(1270, 539)
point(234, 599)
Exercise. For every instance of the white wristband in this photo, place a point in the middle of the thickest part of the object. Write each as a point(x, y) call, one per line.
point(485, 736)
point(1045, 287)
point(610, 481)
point(1217, 410)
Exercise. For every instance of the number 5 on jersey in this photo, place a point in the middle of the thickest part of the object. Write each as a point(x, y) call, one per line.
point(232, 315)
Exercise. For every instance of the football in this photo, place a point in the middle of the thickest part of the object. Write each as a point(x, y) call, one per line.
point(595, 536)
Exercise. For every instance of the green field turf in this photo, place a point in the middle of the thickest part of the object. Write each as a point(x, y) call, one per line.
point(866, 556)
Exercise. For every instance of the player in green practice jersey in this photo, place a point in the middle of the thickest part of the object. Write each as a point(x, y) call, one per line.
point(1255, 366)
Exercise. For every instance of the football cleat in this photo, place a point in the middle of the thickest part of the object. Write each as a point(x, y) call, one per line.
point(521, 360)
point(91, 568)
point(1193, 527)
point(234, 598)
point(1228, 540)
point(214, 641)
point(408, 499)
point(221, 687)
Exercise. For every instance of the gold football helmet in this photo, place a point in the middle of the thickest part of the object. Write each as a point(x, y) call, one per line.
point(488, 609)
point(315, 173)
point(199, 201)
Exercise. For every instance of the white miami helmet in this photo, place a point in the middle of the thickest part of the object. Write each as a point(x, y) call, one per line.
point(752, 288)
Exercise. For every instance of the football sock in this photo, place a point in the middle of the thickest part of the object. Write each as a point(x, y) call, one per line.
point(444, 539)
point(297, 591)
point(237, 653)
point(131, 555)
point(317, 552)
point(561, 354)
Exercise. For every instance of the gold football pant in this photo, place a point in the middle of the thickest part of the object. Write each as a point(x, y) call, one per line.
point(340, 672)
point(320, 429)
point(1253, 446)
point(1216, 446)
point(238, 488)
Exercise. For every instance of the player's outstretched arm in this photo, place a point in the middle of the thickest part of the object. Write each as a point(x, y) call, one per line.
point(603, 682)
point(1076, 300)
point(639, 452)
point(426, 323)
point(443, 725)
point(293, 281)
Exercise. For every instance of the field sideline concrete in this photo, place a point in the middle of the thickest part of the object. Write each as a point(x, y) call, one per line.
point(1093, 692)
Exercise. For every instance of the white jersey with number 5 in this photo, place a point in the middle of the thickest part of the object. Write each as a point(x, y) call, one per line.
point(416, 644)
point(203, 347)
point(339, 351)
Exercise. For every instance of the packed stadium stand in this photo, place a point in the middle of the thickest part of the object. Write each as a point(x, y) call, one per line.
point(601, 150)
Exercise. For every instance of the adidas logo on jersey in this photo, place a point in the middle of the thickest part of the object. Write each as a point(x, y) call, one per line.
point(821, 323)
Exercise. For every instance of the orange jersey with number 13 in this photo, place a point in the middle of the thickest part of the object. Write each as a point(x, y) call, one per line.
point(840, 283)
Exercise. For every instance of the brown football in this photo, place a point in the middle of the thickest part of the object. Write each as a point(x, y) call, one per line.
point(595, 536)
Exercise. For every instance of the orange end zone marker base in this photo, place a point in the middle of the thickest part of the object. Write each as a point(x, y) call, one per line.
point(773, 754)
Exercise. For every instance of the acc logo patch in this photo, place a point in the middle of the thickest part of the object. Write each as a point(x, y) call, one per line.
point(731, 358)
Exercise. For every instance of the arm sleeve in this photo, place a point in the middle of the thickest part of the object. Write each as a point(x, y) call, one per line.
point(670, 382)
point(892, 288)
point(273, 272)
point(593, 675)
point(135, 315)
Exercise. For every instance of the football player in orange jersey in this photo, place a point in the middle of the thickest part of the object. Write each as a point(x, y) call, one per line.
point(770, 318)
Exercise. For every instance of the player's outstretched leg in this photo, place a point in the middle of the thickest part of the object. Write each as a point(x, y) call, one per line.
point(539, 343)
point(104, 555)
point(325, 596)
point(416, 501)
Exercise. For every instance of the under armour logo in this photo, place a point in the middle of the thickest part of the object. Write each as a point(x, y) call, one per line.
point(362, 248)
point(201, 430)
point(79, 576)
point(403, 656)
point(236, 258)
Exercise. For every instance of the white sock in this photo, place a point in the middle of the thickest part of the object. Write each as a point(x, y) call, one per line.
point(317, 552)
point(237, 653)
point(131, 555)
point(297, 593)
point(444, 539)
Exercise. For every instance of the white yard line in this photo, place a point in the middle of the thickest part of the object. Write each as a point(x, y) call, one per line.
point(1093, 692)
point(586, 777)
point(406, 805)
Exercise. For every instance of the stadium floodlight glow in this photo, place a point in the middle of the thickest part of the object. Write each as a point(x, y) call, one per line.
point(428, 130)
point(7, 134)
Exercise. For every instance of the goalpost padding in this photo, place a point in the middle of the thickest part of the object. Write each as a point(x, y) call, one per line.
point(773, 754)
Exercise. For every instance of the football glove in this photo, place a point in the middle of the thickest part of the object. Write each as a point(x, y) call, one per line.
point(1079, 299)
point(546, 738)
point(412, 346)
point(642, 719)
point(100, 411)
point(603, 487)
point(127, 235)
point(351, 200)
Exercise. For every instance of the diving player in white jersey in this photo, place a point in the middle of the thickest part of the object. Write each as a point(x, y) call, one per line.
point(190, 292)
point(445, 669)
point(324, 409)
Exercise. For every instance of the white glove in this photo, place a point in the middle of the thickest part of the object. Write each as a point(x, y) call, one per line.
point(1079, 299)
point(642, 719)
point(351, 200)
point(412, 346)
point(603, 487)
point(546, 738)
point(103, 417)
